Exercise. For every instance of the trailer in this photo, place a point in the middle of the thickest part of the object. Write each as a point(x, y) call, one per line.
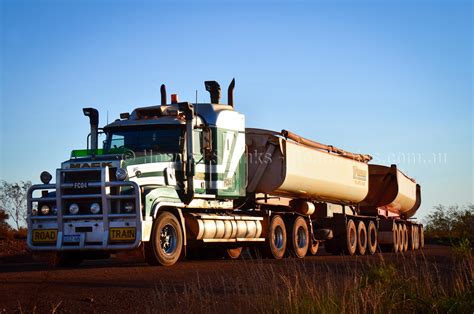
point(180, 179)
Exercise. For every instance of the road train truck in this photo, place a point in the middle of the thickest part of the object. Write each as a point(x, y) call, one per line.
point(179, 179)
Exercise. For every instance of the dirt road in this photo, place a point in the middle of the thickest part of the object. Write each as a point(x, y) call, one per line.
point(128, 285)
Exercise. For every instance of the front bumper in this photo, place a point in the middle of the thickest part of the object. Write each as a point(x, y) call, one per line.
point(84, 232)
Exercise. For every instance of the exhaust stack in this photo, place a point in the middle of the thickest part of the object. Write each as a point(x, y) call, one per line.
point(93, 115)
point(163, 94)
point(215, 90)
point(230, 93)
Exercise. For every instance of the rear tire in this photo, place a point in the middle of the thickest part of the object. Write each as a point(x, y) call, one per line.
point(166, 242)
point(372, 238)
point(416, 238)
point(351, 238)
point(422, 237)
point(405, 237)
point(66, 259)
point(361, 238)
point(298, 238)
point(411, 239)
point(396, 238)
point(276, 238)
point(401, 238)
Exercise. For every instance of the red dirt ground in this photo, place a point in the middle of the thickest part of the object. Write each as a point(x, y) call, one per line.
point(125, 283)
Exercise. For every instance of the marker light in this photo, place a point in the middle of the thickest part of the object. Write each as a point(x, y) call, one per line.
point(121, 174)
point(74, 208)
point(45, 209)
point(95, 208)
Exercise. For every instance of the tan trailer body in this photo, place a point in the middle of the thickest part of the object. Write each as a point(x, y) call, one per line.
point(392, 191)
point(281, 167)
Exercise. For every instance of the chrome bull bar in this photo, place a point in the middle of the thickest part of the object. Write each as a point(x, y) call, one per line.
point(106, 217)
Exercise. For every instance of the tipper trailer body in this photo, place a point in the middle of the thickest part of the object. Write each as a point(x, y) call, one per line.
point(178, 179)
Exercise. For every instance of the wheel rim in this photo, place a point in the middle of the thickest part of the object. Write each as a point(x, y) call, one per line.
point(168, 239)
point(278, 237)
point(301, 238)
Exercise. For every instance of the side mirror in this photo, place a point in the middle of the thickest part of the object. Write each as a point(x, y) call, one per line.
point(206, 140)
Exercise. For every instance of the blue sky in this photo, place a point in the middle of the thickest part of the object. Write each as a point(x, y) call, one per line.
point(389, 78)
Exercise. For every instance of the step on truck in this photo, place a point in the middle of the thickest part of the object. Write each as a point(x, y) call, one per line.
point(184, 179)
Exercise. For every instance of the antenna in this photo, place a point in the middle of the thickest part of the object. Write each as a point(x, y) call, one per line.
point(196, 107)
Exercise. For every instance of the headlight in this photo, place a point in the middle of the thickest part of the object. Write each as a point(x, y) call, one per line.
point(73, 208)
point(128, 207)
point(34, 211)
point(45, 177)
point(45, 209)
point(121, 174)
point(95, 208)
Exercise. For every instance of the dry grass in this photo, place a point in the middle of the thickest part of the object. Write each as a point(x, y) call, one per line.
point(412, 284)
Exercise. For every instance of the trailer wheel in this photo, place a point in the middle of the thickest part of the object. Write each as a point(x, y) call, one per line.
point(299, 237)
point(351, 238)
point(416, 237)
point(234, 253)
point(371, 238)
point(396, 238)
point(276, 238)
point(313, 248)
point(422, 237)
point(66, 259)
point(411, 243)
point(166, 242)
point(401, 238)
point(361, 238)
point(405, 236)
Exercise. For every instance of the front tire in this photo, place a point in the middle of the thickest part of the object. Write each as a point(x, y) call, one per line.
point(166, 242)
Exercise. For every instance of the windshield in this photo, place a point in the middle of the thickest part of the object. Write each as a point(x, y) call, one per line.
point(146, 140)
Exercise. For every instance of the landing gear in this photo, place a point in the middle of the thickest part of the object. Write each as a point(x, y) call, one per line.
point(234, 253)
point(166, 242)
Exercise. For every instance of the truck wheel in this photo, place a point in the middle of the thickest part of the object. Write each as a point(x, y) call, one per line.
point(351, 238)
point(401, 238)
point(405, 236)
point(166, 242)
point(361, 238)
point(234, 253)
point(371, 238)
point(422, 237)
point(276, 238)
point(411, 242)
point(416, 238)
point(66, 259)
point(313, 248)
point(396, 238)
point(299, 237)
